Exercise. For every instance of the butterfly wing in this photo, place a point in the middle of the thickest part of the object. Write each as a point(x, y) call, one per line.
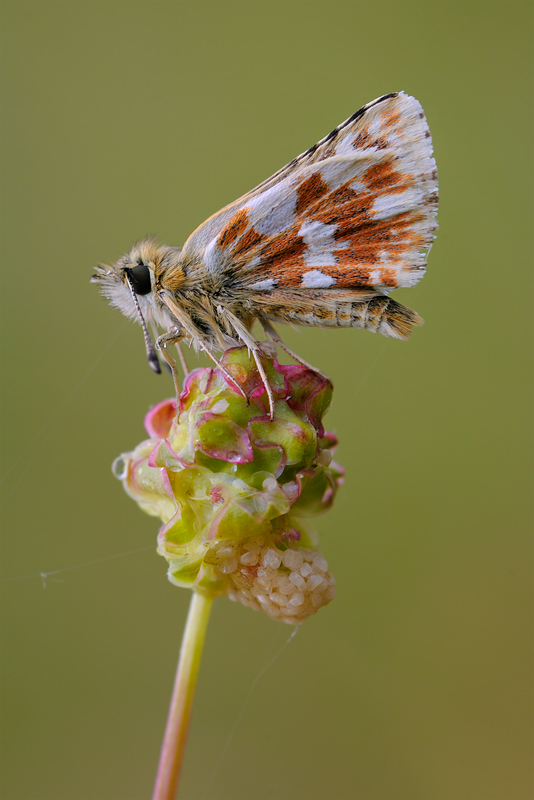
point(353, 216)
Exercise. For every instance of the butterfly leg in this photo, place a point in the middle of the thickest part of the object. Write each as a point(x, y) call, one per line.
point(227, 375)
point(254, 347)
point(265, 380)
point(183, 361)
point(274, 337)
point(173, 336)
point(177, 312)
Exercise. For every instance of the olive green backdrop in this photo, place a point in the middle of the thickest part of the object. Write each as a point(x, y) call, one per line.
point(122, 119)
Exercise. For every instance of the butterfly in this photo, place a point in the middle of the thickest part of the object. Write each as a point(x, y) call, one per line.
point(320, 243)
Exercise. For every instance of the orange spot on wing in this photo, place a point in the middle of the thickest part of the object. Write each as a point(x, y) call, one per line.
point(287, 244)
point(249, 241)
point(342, 207)
point(364, 141)
point(371, 243)
point(282, 258)
point(384, 179)
point(233, 228)
point(350, 275)
point(388, 277)
point(238, 236)
point(310, 191)
point(391, 119)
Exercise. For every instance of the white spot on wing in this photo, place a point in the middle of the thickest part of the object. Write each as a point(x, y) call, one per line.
point(358, 186)
point(269, 283)
point(375, 124)
point(375, 278)
point(322, 259)
point(315, 232)
point(320, 242)
point(389, 205)
point(213, 257)
point(315, 279)
point(344, 145)
point(273, 211)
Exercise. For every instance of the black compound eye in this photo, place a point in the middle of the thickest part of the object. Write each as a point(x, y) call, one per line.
point(139, 277)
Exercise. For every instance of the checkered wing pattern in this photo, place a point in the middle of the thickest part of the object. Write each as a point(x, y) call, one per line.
point(355, 212)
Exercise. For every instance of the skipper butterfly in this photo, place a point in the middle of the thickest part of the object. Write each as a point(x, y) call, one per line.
point(322, 242)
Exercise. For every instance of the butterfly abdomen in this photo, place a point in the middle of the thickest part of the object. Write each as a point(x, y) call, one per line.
point(380, 314)
point(385, 316)
point(361, 308)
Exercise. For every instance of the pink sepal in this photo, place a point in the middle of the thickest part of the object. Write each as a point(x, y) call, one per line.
point(159, 419)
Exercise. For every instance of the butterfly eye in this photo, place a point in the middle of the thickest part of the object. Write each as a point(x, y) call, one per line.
point(139, 277)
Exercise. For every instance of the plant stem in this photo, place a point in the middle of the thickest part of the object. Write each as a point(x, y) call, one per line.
point(173, 747)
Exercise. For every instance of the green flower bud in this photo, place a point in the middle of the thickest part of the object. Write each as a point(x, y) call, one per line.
point(235, 490)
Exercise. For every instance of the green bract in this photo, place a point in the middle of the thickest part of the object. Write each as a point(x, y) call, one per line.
point(235, 489)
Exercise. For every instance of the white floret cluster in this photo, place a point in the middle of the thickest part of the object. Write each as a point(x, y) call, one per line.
point(289, 585)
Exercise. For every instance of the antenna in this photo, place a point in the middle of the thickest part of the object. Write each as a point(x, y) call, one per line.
point(150, 349)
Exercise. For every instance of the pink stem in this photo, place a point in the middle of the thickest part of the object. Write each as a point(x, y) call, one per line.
point(173, 747)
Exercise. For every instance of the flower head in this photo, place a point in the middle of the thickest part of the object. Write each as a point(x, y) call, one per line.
point(236, 490)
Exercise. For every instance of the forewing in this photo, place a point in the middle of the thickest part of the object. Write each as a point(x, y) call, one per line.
point(356, 210)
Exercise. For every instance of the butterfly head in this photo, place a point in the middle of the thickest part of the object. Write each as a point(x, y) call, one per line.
point(132, 284)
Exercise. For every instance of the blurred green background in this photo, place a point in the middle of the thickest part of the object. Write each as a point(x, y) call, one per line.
point(122, 119)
